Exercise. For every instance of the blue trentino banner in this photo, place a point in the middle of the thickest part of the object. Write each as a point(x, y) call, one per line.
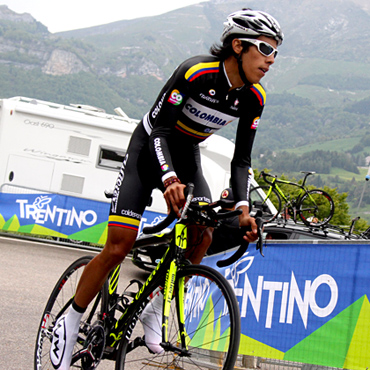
point(51, 214)
point(304, 298)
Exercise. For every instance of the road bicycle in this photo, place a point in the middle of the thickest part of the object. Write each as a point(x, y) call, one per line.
point(200, 323)
point(314, 207)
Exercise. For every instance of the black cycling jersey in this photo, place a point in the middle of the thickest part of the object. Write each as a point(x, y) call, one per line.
point(195, 103)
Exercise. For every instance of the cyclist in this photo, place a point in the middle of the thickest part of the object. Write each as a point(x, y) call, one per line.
point(203, 94)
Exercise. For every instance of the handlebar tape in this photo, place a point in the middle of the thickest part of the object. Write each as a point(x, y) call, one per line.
point(233, 258)
point(160, 226)
point(244, 246)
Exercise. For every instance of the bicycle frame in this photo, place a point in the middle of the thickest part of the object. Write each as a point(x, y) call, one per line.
point(168, 264)
point(273, 184)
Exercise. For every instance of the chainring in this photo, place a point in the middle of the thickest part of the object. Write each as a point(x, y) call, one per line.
point(93, 347)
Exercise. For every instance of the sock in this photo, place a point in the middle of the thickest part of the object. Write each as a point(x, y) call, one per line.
point(151, 318)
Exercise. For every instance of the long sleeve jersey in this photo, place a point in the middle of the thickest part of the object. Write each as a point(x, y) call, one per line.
point(195, 103)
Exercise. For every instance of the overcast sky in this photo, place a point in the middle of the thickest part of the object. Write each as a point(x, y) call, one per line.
point(67, 15)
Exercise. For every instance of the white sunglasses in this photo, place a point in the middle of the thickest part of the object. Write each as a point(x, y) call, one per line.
point(263, 47)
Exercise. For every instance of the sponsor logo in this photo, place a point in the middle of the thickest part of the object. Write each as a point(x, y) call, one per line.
point(209, 99)
point(225, 194)
point(255, 123)
point(160, 156)
point(158, 107)
point(206, 117)
point(41, 212)
point(212, 92)
point(175, 97)
point(289, 290)
point(201, 200)
point(117, 187)
point(129, 213)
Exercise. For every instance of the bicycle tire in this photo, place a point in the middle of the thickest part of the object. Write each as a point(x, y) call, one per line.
point(260, 201)
point(316, 208)
point(59, 301)
point(213, 340)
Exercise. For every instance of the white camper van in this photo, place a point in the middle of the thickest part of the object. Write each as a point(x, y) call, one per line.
point(56, 161)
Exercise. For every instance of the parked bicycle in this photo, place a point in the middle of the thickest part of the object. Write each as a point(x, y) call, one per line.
point(200, 322)
point(314, 207)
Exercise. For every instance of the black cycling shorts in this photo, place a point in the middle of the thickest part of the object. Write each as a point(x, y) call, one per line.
point(137, 178)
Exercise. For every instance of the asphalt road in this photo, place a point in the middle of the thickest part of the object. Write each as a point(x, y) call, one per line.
point(28, 273)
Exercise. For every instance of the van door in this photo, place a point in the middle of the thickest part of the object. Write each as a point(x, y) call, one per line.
point(30, 173)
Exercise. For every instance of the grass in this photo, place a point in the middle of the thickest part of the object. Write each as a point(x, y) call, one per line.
point(346, 175)
point(341, 145)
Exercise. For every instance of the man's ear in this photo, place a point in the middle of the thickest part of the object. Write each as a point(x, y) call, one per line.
point(237, 46)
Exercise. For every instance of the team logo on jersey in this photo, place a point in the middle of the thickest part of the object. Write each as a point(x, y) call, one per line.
point(255, 123)
point(206, 116)
point(175, 97)
point(212, 92)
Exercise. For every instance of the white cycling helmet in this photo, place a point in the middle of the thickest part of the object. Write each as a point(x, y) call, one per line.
point(251, 24)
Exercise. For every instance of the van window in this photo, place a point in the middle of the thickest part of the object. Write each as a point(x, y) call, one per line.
point(111, 158)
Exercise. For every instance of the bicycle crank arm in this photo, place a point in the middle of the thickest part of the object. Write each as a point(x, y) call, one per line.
point(168, 347)
point(137, 342)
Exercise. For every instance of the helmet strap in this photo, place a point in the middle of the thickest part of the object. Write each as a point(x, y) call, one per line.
point(241, 70)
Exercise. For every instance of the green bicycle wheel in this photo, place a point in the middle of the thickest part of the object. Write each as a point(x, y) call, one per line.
point(268, 202)
point(212, 327)
point(316, 208)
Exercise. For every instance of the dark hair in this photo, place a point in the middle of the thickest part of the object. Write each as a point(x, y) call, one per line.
point(223, 51)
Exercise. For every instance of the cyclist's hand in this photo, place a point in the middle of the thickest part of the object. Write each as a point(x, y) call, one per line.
point(246, 220)
point(174, 197)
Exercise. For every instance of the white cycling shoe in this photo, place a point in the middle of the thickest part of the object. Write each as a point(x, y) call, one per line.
point(151, 318)
point(64, 338)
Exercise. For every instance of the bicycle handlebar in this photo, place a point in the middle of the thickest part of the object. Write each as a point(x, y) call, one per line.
point(244, 244)
point(172, 215)
point(206, 216)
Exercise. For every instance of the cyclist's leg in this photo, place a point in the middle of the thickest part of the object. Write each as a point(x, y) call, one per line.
point(130, 197)
point(199, 238)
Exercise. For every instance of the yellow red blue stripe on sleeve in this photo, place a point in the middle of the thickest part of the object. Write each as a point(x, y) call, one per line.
point(201, 69)
point(125, 222)
point(260, 92)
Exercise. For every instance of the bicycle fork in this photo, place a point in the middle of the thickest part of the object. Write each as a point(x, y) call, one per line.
point(169, 289)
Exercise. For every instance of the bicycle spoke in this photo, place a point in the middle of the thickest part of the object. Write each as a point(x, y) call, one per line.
point(316, 208)
point(209, 330)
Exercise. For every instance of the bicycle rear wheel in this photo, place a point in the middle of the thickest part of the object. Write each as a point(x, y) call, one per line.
point(58, 304)
point(212, 325)
point(268, 202)
point(316, 208)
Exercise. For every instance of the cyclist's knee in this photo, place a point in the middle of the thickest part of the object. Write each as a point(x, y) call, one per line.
point(200, 236)
point(199, 239)
point(119, 243)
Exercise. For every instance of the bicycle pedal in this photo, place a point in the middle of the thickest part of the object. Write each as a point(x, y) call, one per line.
point(137, 342)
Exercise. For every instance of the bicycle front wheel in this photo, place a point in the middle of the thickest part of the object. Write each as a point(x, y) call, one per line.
point(316, 208)
point(267, 200)
point(58, 304)
point(212, 327)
